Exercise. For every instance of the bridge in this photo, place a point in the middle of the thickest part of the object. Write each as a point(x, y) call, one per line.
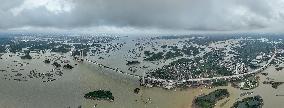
point(114, 69)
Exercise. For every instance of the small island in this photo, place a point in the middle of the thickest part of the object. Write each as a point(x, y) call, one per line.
point(136, 90)
point(273, 83)
point(68, 66)
point(209, 100)
point(100, 95)
point(265, 74)
point(249, 102)
point(56, 64)
point(26, 56)
point(279, 68)
point(47, 61)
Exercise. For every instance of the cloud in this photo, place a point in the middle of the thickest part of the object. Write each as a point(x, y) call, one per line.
point(53, 6)
point(199, 15)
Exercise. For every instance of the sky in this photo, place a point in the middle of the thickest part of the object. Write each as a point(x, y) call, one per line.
point(142, 15)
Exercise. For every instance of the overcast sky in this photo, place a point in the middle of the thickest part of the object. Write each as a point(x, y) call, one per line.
point(125, 15)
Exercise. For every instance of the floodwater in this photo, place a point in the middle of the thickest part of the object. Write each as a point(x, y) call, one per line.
point(123, 91)
point(264, 90)
point(65, 91)
point(267, 92)
point(68, 91)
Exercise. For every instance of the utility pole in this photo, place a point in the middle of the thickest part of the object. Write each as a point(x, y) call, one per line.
point(82, 56)
point(143, 78)
point(237, 66)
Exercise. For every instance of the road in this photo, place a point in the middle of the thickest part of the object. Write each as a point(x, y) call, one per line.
point(197, 79)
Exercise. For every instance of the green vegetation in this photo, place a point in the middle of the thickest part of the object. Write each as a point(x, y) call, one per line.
point(211, 63)
point(173, 53)
point(168, 72)
point(61, 49)
point(164, 46)
point(100, 95)
point(279, 68)
point(132, 62)
point(32, 45)
point(56, 64)
point(79, 48)
point(78, 52)
point(160, 55)
point(273, 83)
point(136, 90)
point(2, 49)
point(220, 83)
point(190, 50)
point(148, 53)
point(249, 102)
point(68, 66)
point(249, 83)
point(38, 45)
point(155, 57)
point(249, 49)
point(3, 42)
point(207, 66)
point(26, 56)
point(174, 48)
point(209, 100)
point(170, 54)
point(47, 61)
point(273, 62)
point(206, 40)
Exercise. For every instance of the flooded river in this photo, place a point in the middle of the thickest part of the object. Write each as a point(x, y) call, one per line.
point(69, 89)
point(160, 98)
